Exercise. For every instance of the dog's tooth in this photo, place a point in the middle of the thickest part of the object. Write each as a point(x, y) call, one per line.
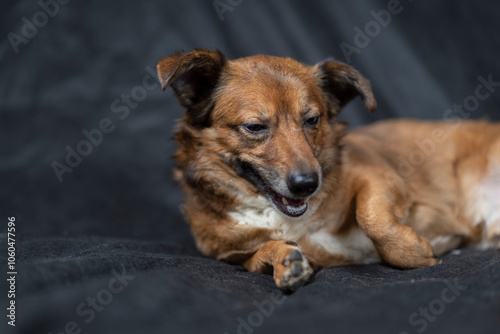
point(284, 200)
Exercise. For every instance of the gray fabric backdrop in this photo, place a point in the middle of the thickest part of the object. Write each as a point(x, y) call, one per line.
point(89, 64)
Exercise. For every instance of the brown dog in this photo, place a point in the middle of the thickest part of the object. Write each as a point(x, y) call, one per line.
point(273, 184)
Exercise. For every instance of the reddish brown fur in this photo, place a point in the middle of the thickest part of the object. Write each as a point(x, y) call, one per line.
point(361, 183)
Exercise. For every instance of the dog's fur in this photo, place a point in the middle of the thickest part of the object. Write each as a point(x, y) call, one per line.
point(262, 128)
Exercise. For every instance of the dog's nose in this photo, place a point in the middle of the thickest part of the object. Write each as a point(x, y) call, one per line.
point(302, 184)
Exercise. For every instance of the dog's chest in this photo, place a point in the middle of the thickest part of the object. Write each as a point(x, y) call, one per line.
point(258, 212)
point(353, 246)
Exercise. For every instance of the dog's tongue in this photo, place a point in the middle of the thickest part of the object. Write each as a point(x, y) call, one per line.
point(295, 202)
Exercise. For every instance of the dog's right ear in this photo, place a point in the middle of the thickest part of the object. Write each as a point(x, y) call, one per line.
point(193, 76)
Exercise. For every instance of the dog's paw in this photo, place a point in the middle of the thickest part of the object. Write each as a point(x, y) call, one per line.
point(293, 270)
point(410, 251)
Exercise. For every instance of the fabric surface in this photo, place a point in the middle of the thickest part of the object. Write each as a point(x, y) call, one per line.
point(108, 232)
point(171, 289)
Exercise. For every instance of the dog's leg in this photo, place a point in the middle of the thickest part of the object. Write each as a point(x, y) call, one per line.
point(397, 244)
point(288, 263)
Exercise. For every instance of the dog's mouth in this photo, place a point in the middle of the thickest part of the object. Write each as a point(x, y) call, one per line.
point(293, 207)
point(290, 207)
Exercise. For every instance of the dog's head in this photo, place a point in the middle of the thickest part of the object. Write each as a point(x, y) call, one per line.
point(271, 119)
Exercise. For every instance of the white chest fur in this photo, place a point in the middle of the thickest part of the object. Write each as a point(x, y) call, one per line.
point(258, 212)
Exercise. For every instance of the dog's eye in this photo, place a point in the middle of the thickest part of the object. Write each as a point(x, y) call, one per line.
point(312, 121)
point(255, 128)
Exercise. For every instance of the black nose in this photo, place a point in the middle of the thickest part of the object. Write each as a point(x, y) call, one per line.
point(302, 184)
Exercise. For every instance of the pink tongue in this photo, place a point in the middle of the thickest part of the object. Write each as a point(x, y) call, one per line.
point(295, 202)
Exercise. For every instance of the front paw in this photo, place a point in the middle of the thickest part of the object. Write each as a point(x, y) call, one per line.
point(293, 270)
point(408, 251)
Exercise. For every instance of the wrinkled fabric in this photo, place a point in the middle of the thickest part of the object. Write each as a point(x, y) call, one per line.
point(91, 66)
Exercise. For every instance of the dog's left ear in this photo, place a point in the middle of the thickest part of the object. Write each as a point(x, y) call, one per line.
point(193, 76)
point(342, 83)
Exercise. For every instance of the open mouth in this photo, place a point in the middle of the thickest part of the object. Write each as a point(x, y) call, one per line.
point(290, 207)
point(293, 207)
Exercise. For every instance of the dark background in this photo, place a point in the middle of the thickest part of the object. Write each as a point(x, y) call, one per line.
point(119, 207)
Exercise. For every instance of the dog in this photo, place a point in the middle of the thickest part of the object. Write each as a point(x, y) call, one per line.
point(273, 183)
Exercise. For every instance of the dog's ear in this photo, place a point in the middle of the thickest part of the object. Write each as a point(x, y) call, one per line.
point(342, 83)
point(193, 76)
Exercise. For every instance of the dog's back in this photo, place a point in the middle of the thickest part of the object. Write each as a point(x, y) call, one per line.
point(450, 172)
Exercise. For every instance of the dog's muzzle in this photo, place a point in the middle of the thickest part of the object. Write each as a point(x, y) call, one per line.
point(300, 185)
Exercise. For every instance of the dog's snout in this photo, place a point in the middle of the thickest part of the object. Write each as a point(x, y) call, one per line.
point(302, 184)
